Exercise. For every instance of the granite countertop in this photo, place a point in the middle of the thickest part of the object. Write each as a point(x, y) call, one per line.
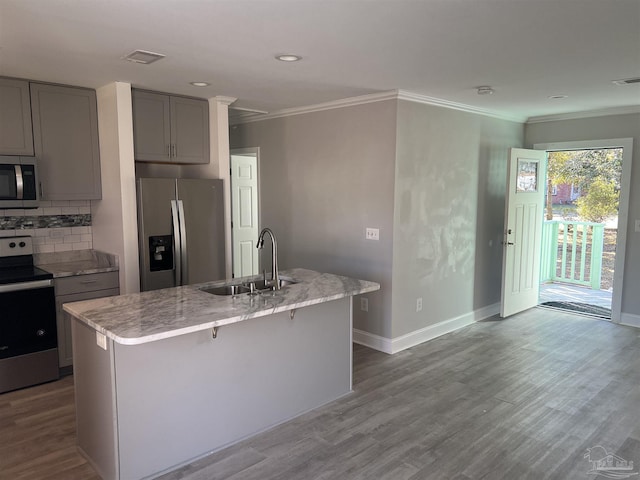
point(80, 262)
point(148, 316)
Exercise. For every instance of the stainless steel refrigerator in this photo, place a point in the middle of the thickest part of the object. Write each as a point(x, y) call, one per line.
point(180, 231)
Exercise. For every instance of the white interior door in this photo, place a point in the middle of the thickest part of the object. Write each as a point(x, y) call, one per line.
point(524, 209)
point(244, 214)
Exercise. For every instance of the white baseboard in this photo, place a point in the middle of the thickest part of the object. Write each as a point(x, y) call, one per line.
point(395, 345)
point(382, 344)
point(630, 319)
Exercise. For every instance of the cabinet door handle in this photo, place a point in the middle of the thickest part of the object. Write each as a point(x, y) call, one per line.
point(168, 150)
point(174, 151)
point(41, 190)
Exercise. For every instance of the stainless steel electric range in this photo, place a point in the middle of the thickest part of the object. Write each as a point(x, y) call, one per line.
point(28, 339)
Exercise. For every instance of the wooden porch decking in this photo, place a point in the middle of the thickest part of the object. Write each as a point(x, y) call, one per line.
point(563, 292)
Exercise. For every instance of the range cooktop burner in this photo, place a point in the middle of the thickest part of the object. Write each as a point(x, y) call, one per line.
point(16, 261)
point(23, 274)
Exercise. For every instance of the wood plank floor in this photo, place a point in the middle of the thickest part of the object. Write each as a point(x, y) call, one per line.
point(38, 434)
point(502, 399)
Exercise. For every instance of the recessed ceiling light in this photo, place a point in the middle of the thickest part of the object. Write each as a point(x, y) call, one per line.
point(287, 57)
point(200, 84)
point(557, 97)
point(143, 56)
point(485, 90)
point(627, 81)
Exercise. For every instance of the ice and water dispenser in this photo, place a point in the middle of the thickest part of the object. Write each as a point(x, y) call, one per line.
point(160, 253)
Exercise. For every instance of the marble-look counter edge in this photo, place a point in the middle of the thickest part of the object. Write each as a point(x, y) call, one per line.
point(91, 312)
point(77, 262)
point(73, 270)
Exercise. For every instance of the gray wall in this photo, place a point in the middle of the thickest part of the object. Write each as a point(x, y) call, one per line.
point(449, 212)
point(600, 128)
point(324, 177)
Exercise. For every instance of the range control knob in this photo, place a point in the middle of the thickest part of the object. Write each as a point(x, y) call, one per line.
point(12, 245)
point(22, 244)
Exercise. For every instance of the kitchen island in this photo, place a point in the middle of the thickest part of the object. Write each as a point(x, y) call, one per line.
point(167, 376)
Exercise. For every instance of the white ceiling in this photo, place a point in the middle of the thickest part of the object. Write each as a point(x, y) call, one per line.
point(527, 50)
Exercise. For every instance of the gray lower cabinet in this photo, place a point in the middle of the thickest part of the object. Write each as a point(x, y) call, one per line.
point(16, 135)
point(65, 132)
point(75, 289)
point(169, 128)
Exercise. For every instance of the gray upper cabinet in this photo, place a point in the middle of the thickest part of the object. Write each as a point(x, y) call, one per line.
point(190, 130)
point(16, 136)
point(151, 127)
point(65, 132)
point(170, 129)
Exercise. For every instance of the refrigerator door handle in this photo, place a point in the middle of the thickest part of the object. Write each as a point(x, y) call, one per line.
point(177, 250)
point(183, 244)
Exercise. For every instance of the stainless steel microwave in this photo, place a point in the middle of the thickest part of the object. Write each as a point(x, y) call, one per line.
point(18, 182)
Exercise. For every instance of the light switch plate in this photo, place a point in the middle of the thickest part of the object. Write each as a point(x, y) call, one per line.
point(637, 225)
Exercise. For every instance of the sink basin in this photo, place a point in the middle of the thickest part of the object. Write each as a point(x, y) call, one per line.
point(284, 282)
point(233, 290)
point(227, 290)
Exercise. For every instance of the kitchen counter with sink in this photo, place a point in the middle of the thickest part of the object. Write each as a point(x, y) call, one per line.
point(149, 316)
point(167, 376)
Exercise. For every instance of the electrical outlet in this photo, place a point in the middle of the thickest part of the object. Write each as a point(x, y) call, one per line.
point(419, 304)
point(372, 234)
point(364, 304)
point(101, 340)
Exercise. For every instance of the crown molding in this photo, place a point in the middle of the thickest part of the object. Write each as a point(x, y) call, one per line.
point(221, 99)
point(438, 102)
point(586, 114)
point(345, 102)
point(379, 97)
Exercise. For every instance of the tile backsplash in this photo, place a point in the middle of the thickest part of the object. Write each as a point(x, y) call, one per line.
point(56, 226)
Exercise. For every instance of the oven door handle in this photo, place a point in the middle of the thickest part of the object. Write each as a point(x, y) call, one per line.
point(15, 287)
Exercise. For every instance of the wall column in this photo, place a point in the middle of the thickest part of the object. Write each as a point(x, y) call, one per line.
point(114, 217)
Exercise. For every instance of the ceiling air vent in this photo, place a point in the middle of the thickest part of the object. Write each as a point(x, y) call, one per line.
point(144, 57)
point(627, 81)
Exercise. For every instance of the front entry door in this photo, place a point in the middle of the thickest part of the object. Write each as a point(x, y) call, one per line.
point(524, 210)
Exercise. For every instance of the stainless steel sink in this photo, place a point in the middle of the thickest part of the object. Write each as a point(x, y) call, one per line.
point(227, 290)
point(284, 282)
point(241, 289)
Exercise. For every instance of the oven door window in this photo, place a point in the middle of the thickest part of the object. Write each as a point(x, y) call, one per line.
point(28, 322)
point(7, 182)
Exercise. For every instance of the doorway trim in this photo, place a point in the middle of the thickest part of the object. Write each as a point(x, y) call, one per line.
point(623, 208)
point(248, 151)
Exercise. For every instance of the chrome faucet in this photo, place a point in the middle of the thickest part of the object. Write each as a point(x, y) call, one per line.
point(275, 276)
